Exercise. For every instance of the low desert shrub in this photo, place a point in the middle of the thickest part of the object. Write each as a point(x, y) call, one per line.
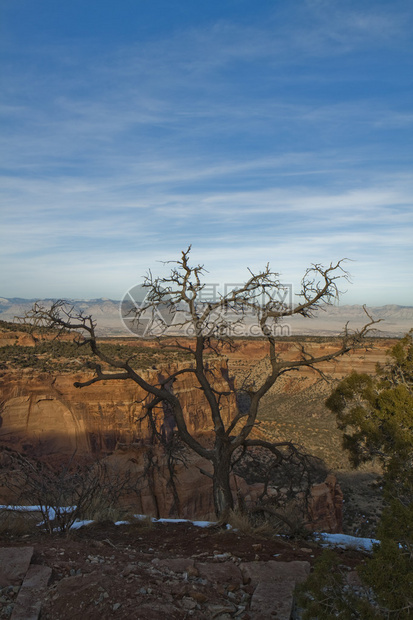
point(376, 415)
point(18, 523)
point(327, 594)
point(390, 570)
point(245, 523)
point(70, 492)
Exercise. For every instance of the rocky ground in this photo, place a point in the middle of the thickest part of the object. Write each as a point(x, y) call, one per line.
point(161, 571)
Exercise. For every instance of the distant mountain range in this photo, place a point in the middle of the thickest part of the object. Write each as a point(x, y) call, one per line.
point(396, 320)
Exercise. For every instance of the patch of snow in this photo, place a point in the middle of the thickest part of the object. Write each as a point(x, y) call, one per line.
point(203, 523)
point(346, 542)
point(78, 523)
point(51, 512)
point(164, 520)
point(326, 540)
point(22, 508)
point(170, 521)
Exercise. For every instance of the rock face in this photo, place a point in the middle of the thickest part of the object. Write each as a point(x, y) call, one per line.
point(49, 415)
point(154, 495)
point(326, 506)
point(42, 424)
point(46, 416)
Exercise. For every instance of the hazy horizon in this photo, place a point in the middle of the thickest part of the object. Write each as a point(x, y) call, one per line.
point(395, 321)
point(336, 304)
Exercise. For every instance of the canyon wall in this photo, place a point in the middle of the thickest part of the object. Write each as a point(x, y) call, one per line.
point(44, 415)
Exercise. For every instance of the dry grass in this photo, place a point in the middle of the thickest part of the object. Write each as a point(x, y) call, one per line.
point(143, 522)
point(251, 525)
point(18, 523)
point(99, 510)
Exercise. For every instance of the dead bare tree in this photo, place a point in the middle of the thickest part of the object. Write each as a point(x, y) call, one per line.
point(211, 326)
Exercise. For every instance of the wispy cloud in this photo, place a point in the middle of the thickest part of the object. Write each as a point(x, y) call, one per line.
point(280, 137)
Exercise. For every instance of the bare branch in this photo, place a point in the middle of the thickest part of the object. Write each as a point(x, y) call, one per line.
point(212, 326)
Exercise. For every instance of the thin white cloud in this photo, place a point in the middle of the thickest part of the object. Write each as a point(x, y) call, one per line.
point(245, 139)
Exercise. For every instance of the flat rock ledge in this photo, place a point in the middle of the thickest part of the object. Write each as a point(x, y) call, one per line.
point(28, 581)
point(258, 590)
point(272, 583)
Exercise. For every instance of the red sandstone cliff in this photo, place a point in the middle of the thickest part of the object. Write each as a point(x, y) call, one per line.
point(45, 415)
point(42, 413)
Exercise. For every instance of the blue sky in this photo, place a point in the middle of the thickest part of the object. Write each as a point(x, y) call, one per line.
point(258, 132)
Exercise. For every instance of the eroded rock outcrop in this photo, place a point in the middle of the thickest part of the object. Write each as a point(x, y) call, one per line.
point(48, 413)
point(155, 496)
point(40, 424)
point(45, 415)
point(325, 507)
point(191, 498)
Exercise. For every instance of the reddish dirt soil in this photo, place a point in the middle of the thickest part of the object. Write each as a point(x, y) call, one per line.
point(108, 571)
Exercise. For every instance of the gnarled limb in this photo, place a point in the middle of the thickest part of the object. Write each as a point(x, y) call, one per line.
point(211, 327)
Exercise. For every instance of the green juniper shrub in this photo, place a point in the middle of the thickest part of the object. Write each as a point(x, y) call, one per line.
point(376, 416)
point(327, 595)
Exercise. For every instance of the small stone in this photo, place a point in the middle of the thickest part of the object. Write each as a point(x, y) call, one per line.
point(128, 570)
point(241, 609)
point(218, 610)
point(116, 606)
point(199, 597)
point(188, 603)
point(353, 579)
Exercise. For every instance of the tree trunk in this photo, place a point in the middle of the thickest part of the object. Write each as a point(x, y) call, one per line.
point(223, 500)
